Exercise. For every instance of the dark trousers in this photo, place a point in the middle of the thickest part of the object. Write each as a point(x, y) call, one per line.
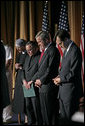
point(49, 113)
point(67, 109)
point(33, 110)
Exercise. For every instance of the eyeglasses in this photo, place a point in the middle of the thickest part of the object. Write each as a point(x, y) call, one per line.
point(29, 50)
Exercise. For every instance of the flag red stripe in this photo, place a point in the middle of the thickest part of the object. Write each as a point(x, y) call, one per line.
point(82, 49)
point(82, 74)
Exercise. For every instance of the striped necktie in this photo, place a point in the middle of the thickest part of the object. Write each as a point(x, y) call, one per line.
point(41, 55)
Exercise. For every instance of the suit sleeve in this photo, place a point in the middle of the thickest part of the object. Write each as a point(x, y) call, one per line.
point(35, 77)
point(75, 68)
point(36, 74)
point(23, 72)
point(54, 60)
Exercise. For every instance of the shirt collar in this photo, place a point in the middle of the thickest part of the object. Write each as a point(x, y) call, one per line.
point(48, 46)
point(69, 47)
point(23, 52)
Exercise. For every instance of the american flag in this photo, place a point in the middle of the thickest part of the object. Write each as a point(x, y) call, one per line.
point(45, 21)
point(82, 48)
point(63, 23)
point(63, 20)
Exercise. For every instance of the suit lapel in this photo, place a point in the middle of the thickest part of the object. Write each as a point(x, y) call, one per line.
point(67, 55)
point(69, 51)
point(45, 53)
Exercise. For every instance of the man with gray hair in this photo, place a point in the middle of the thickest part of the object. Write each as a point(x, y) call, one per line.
point(47, 70)
point(18, 103)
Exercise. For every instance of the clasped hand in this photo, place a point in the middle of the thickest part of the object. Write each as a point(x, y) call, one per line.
point(57, 80)
point(27, 84)
point(38, 83)
point(18, 66)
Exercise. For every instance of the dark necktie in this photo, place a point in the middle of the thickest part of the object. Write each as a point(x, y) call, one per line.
point(41, 55)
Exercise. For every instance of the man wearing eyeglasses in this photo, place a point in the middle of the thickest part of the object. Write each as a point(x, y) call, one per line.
point(29, 70)
point(69, 78)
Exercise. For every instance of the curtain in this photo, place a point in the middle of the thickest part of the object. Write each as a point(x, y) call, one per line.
point(14, 21)
point(14, 24)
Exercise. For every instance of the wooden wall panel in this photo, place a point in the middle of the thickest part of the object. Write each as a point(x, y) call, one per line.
point(31, 20)
point(75, 16)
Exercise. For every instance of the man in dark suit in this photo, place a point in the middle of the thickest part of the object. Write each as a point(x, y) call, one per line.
point(29, 69)
point(69, 78)
point(47, 70)
point(4, 91)
point(18, 102)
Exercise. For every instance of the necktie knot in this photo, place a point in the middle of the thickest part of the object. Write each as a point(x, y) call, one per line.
point(43, 50)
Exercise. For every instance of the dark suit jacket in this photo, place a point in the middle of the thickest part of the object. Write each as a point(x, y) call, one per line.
point(31, 67)
point(5, 100)
point(18, 102)
point(48, 68)
point(70, 74)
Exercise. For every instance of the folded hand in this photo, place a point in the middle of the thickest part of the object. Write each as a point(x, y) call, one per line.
point(56, 80)
point(38, 83)
point(29, 84)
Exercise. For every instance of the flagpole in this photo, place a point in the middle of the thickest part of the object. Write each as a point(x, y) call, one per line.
point(14, 73)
